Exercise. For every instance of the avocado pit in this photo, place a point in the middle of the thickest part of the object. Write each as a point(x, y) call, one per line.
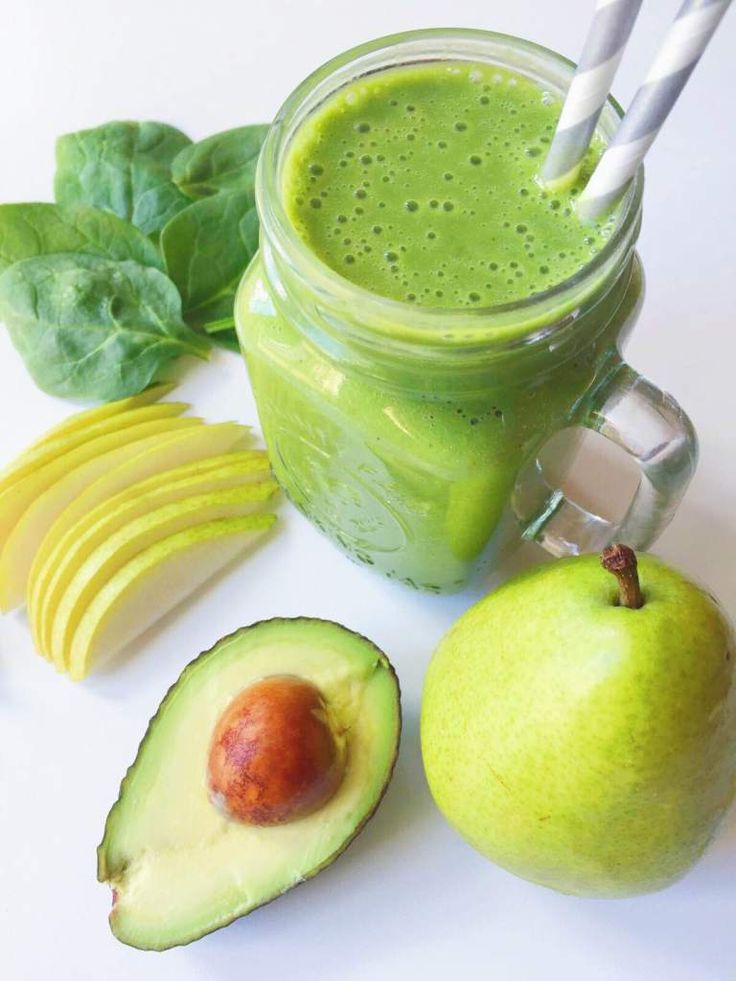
point(275, 754)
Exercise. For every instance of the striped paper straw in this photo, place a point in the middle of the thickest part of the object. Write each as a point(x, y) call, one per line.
point(591, 83)
point(683, 45)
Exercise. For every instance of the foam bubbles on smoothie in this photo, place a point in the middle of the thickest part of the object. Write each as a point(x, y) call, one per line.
point(436, 166)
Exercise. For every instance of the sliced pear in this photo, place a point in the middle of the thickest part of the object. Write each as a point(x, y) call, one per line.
point(181, 448)
point(154, 582)
point(55, 448)
point(99, 412)
point(29, 508)
point(16, 497)
point(90, 417)
point(137, 536)
point(188, 446)
point(48, 584)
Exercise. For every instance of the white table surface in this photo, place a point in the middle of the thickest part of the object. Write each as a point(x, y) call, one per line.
point(409, 899)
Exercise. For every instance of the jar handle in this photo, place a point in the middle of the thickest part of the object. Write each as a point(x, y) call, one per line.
point(652, 428)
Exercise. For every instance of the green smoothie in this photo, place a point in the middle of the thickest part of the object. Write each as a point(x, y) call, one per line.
point(418, 184)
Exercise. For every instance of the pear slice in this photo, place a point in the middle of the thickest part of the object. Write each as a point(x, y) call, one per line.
point(97, 413)
point(29, 508)
point(21, 477)
point(172, 451)
point(154, 582)
point(138, 535)
point(51, 450)
point(71, 541)
point(114, 413)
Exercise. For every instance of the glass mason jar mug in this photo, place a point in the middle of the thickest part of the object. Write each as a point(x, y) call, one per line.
point(411, 436)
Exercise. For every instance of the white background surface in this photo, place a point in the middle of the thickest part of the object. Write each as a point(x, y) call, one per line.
point(409, 899)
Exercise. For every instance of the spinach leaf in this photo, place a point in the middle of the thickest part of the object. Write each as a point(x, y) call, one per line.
point(222, 332)
point(227, 340)
point(93, 328)
point(223, 162)
point(122, 167)
point(39, 229)
point(206, 248)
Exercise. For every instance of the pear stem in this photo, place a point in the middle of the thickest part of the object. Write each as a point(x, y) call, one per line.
point(621, 561)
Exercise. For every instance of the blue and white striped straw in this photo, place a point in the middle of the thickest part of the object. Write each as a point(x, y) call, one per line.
point(607, 36)
point(681, 50)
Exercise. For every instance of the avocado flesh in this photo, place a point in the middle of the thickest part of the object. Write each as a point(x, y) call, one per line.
point(178, 867)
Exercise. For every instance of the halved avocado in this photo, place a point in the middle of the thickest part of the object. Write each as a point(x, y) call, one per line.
point(179, 866)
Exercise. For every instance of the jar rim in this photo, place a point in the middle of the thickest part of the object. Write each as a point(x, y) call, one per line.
point(521, 320)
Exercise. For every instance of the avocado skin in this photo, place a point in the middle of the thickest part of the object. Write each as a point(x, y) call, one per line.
point(103, 871)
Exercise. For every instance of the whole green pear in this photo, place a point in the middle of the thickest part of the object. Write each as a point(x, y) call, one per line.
point(580, 742)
